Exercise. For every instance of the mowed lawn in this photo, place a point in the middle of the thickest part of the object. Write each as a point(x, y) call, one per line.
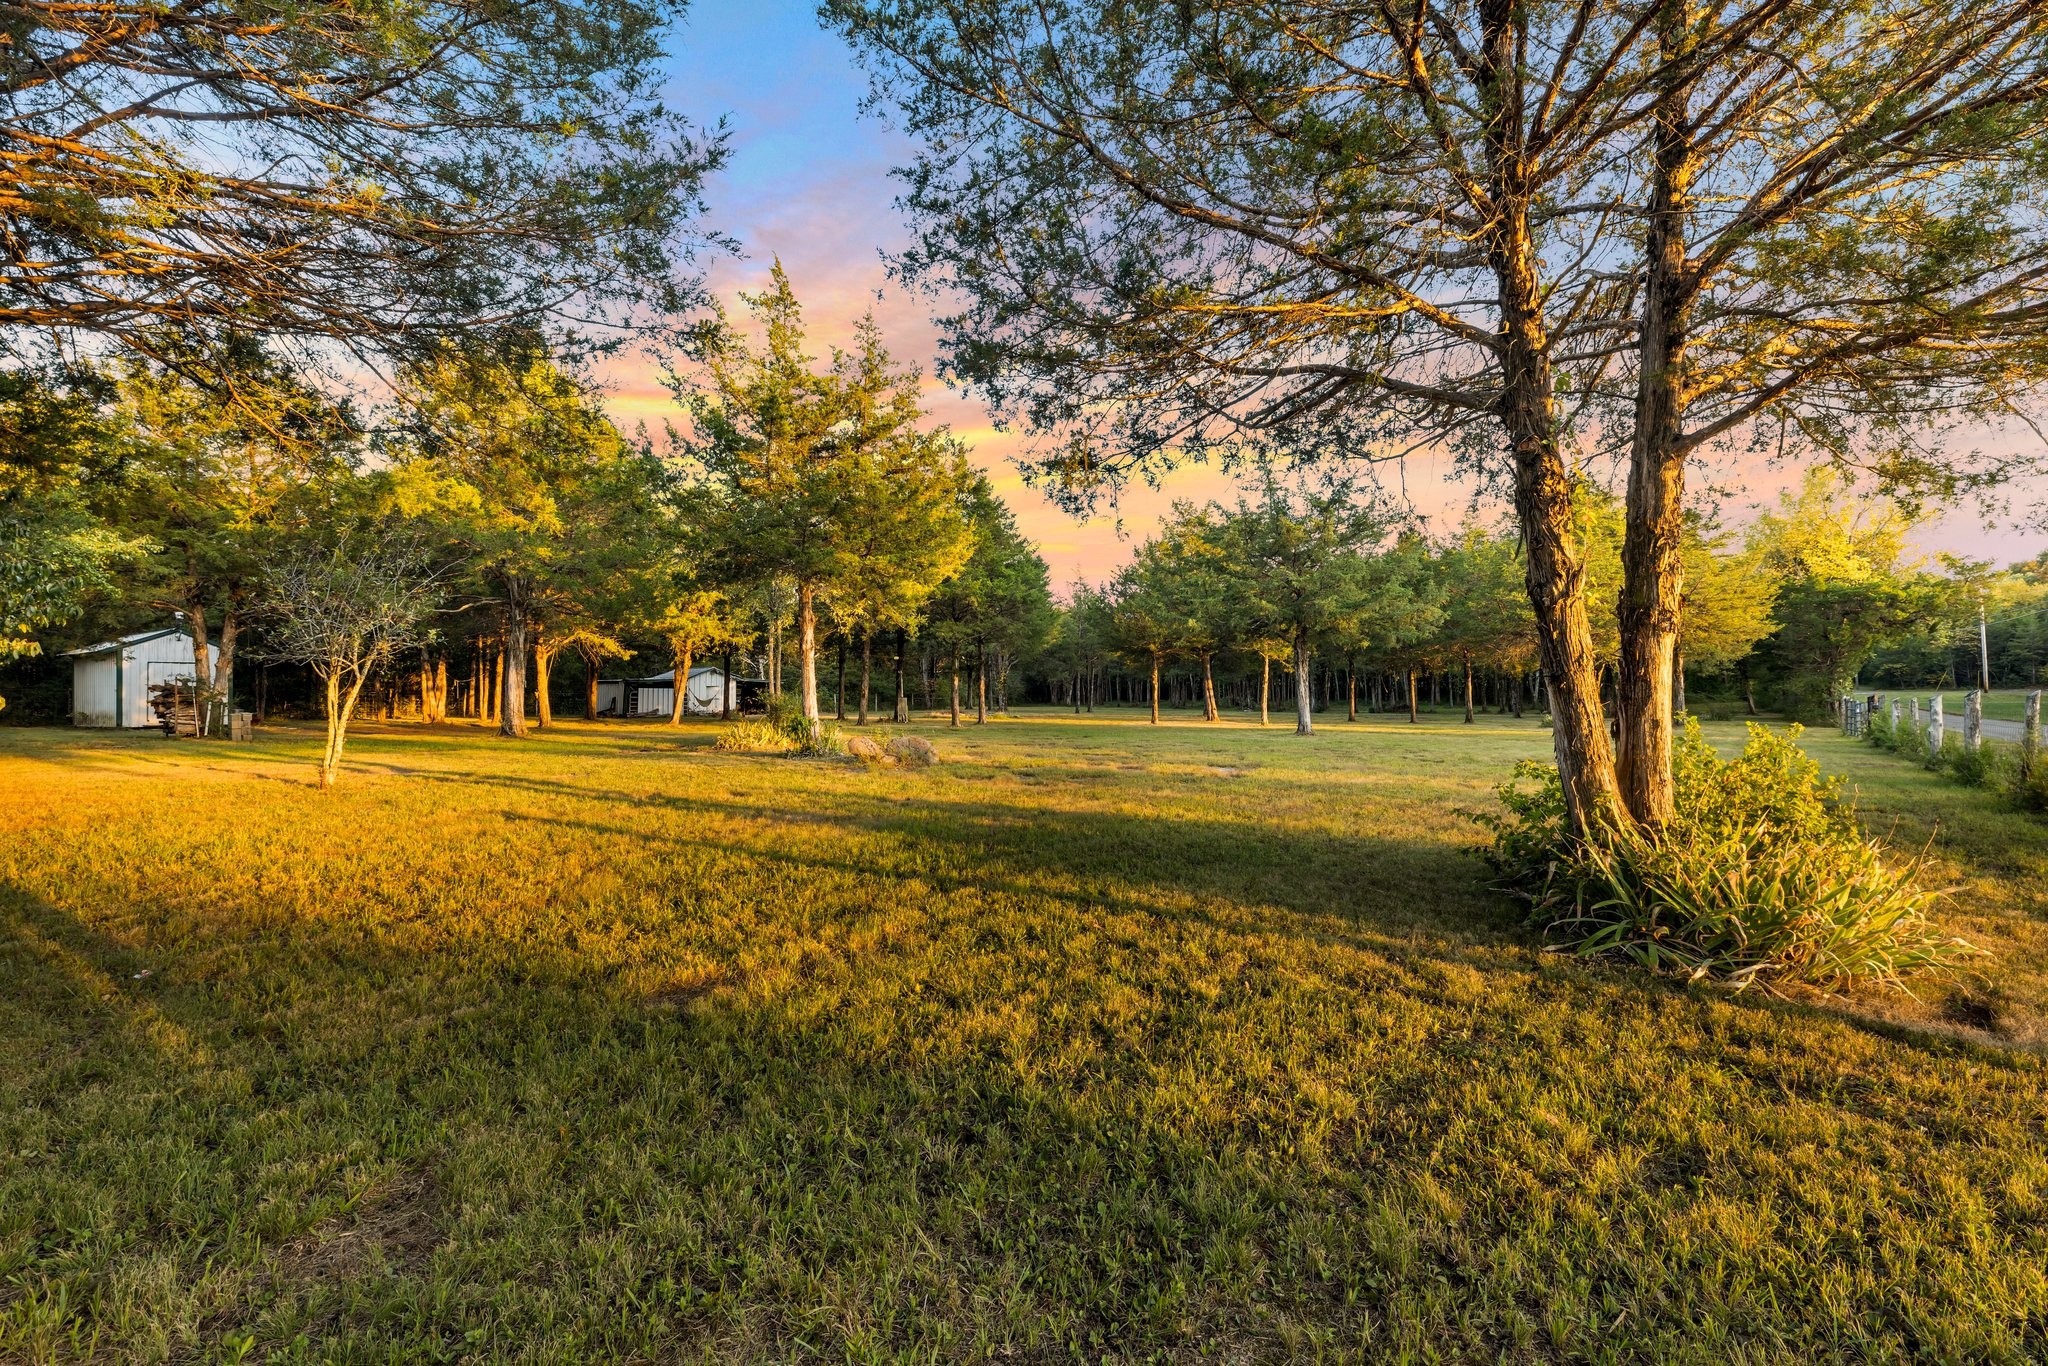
point(1094, 1041)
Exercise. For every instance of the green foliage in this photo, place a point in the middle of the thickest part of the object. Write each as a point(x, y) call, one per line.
point(1846, 589)
point(366, 174)
point(1763, 879)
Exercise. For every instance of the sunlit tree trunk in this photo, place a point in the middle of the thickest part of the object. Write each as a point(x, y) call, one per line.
point(682, 652)
point(1468, 690)
point(807, 655)
point(956, 694)
point(1155, 687)
point(867, 669)
point(980, 687)
point(1413, 719)
point(1652, 565)
point(512, 670)
point(1265, 689)
point(900, 713)
point(1304, 700)
point(1209, 708)
point(543, 668)
point(341, 704)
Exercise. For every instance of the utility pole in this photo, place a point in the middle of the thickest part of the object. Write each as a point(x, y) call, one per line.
point(1983, 648)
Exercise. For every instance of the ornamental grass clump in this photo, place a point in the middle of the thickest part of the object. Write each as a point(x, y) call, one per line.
point(1762, 879)
point(754, 736)
point(783, 730)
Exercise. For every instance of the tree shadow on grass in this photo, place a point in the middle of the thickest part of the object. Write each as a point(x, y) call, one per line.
point(928, 1071)
point(377, 1152)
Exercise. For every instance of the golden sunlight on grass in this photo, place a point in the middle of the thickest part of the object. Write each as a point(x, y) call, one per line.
point(1094, 1040)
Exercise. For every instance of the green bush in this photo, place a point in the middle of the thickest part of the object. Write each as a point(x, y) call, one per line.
point(1763, 878)
point(786, 714)
point(1989, 765)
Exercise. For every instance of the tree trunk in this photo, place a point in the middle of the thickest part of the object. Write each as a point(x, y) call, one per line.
point(839, 683)
point(1412, 718)
point(1210, 712)
point(512, 696)
point(1155, 687)
point(1652, 566)
point(1678, 707)
point(682, 655)
point(1468, 690)
point(590, 670)
point(807, 655)
point(956, 694)
point(224, 666)
point(1351, 685)
point(340, 706)
point(725, 693)
point(543, 667)
point(980, 687)
point(1304, 697)
point(900, 713)
point(1265, 689)
point(867, 670)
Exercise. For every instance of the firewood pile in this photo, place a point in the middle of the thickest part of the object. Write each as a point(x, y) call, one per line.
point(177, 708)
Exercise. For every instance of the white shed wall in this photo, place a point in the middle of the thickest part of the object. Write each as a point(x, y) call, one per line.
point(92, 691)
point(706, 689)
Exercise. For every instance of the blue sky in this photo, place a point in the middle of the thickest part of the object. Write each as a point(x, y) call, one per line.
point(809, 181)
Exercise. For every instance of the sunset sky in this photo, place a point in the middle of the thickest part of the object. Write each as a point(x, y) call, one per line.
point(809, 181)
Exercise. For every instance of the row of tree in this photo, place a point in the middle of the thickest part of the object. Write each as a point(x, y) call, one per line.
point(492, 518)
point(1817, 590)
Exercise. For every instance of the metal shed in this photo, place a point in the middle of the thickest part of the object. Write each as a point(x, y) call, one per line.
point(655, 695)
point(110, 681)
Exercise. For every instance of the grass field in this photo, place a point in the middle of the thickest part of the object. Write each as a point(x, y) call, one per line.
point(1094, 1041)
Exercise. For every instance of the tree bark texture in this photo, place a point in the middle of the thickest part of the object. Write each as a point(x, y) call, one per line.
point(512, 673)
point(1652, 566)
point(1304, 701)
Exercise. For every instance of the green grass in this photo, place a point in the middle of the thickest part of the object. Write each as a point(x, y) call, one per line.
point(1094, 1041)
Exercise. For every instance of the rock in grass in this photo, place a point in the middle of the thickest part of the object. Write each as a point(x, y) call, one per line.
point(864, 749)
point(912, 751)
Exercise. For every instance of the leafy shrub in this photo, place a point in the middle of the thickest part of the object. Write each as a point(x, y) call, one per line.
point(824, 742)
point(786, 714)
point(1989, 765)
point(2029, 789)
point(1763, 877)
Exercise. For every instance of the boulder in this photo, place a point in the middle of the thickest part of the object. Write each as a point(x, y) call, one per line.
point(864, 749)
point(913, 751)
